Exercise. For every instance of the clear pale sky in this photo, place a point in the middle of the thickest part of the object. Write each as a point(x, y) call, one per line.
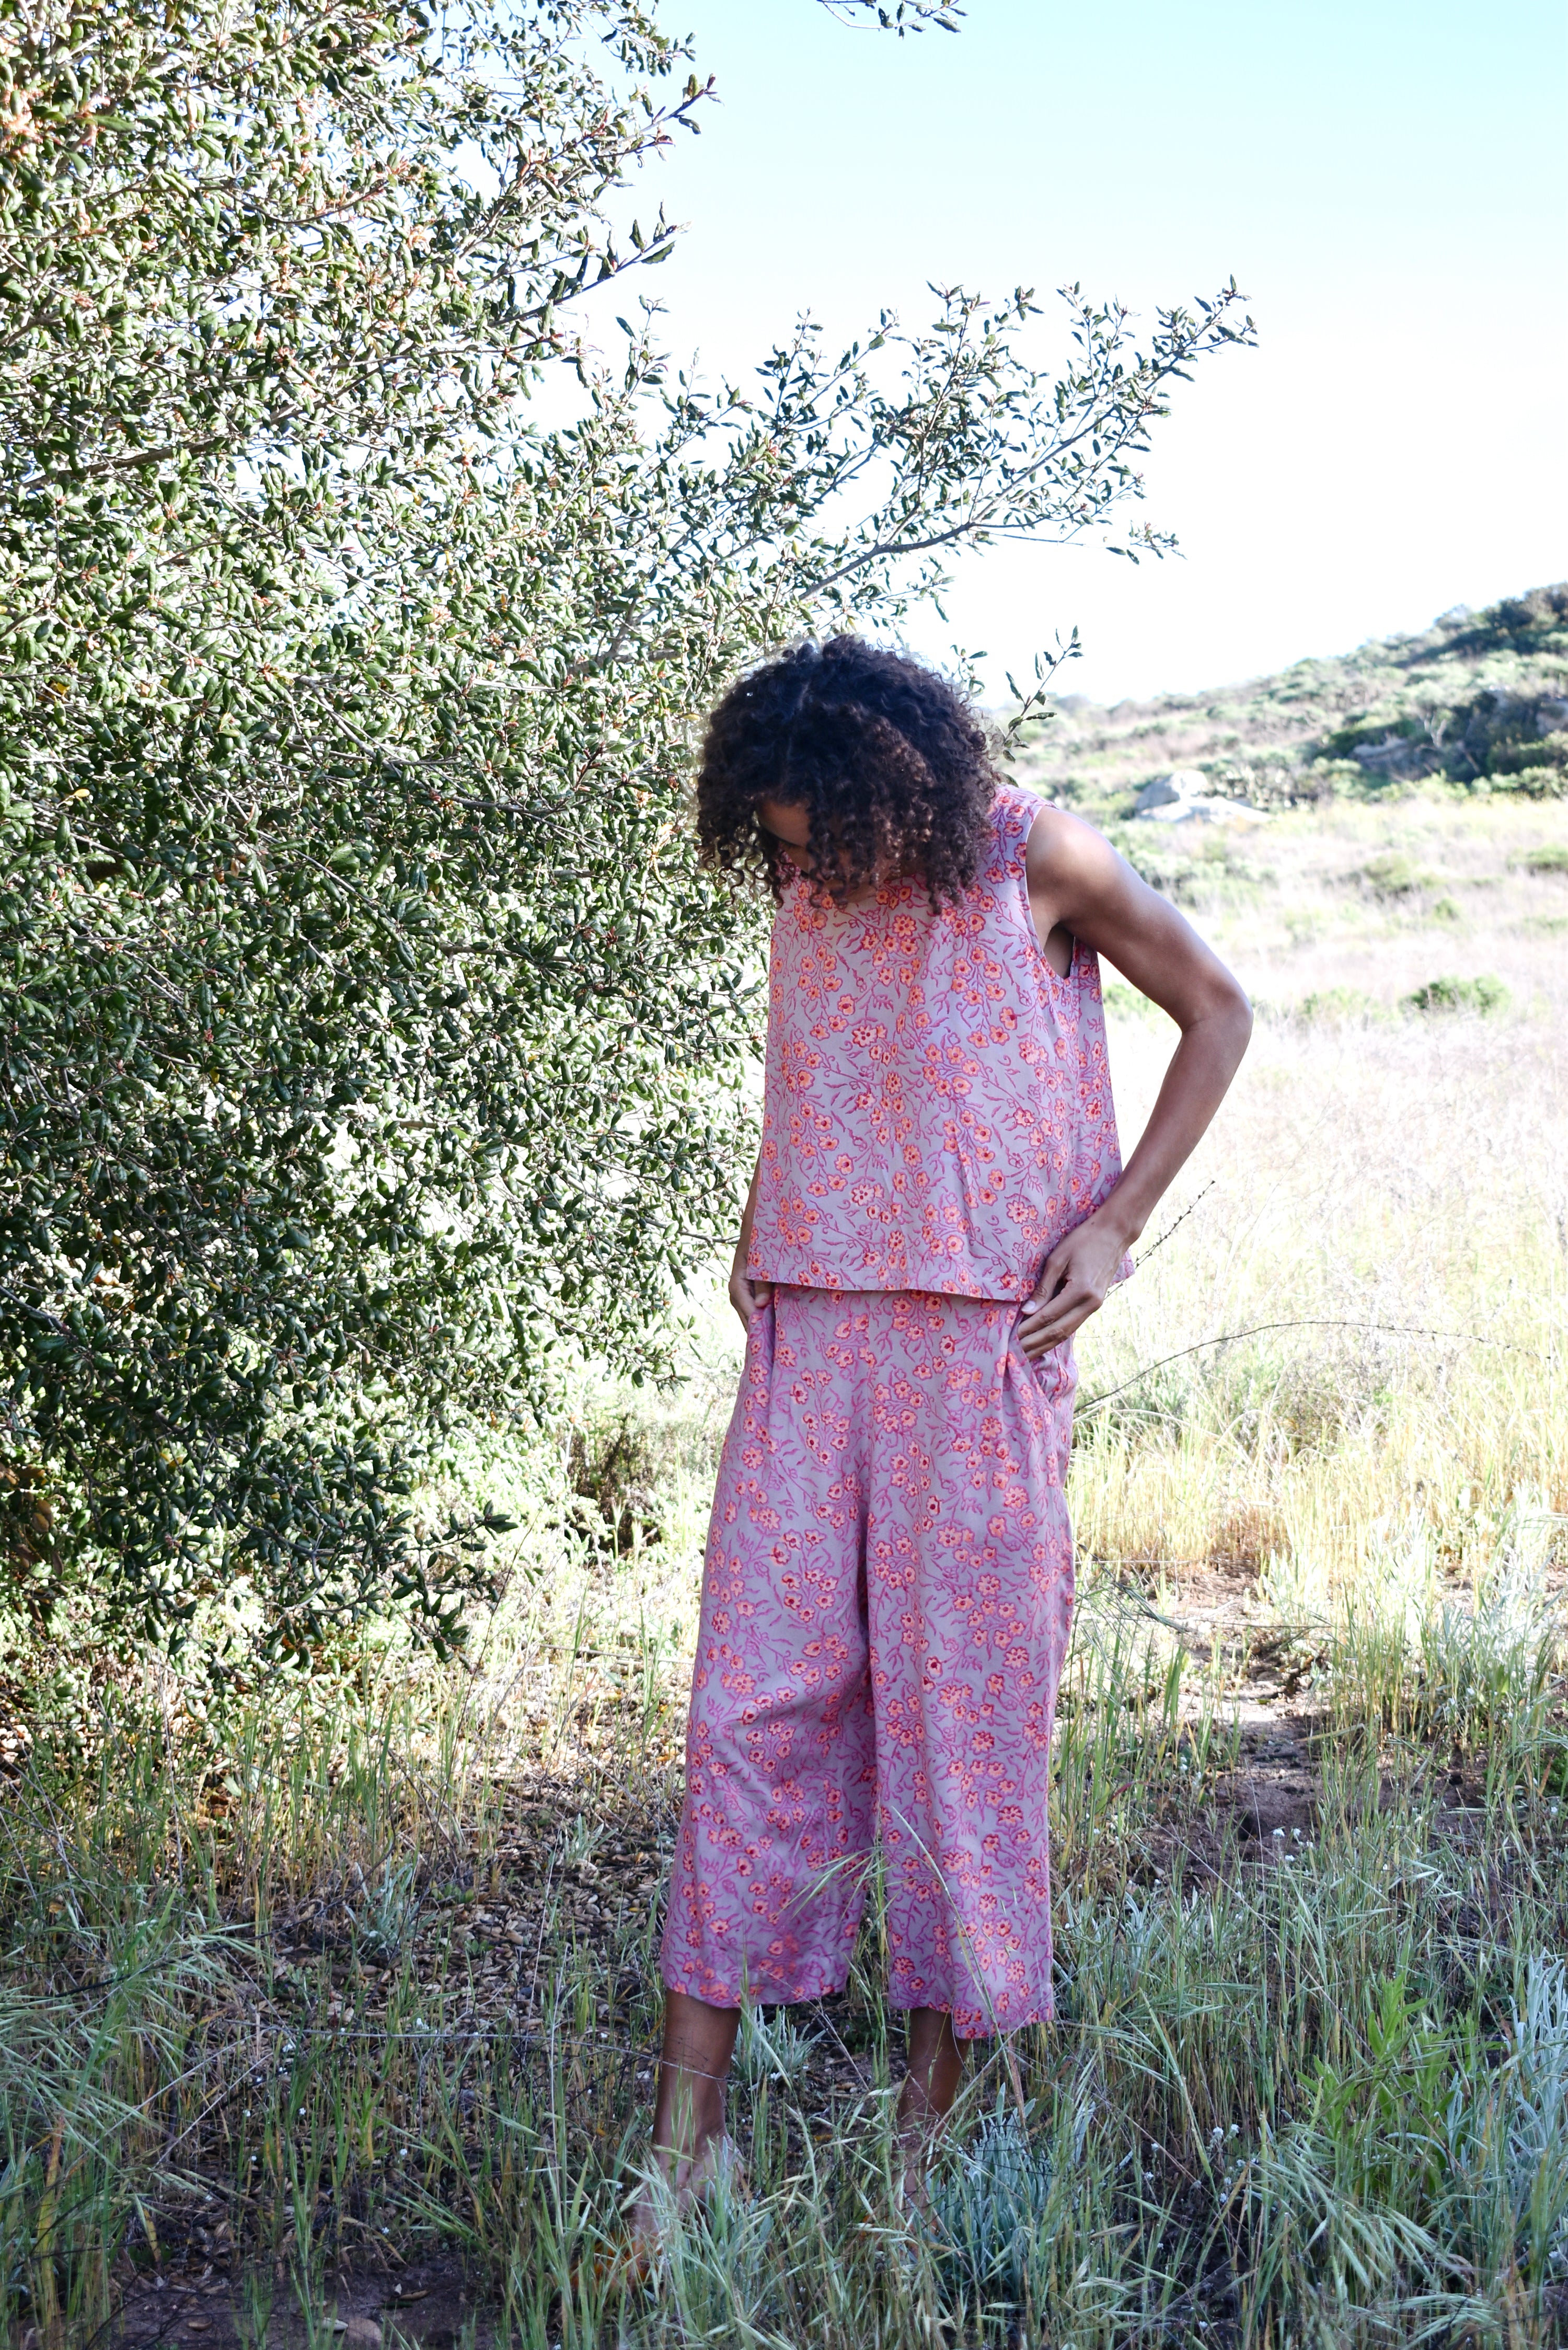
point(1386, 182)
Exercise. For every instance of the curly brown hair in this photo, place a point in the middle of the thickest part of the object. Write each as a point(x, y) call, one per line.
point(894, 770)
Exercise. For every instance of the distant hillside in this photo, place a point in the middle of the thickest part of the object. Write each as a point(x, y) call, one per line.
point(1479, 701)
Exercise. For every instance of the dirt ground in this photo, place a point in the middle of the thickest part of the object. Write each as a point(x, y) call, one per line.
point(428, 2304)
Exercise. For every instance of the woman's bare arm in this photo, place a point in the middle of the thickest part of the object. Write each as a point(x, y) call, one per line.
point(1076, 881)
point(746, 1296)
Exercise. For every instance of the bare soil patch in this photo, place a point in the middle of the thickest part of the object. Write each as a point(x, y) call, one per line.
point(426, 2306)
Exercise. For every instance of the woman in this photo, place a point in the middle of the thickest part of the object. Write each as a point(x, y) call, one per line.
point(937, 1205)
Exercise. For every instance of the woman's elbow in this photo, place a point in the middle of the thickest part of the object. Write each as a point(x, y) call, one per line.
point(1239, 1020)
point(1224, 1015)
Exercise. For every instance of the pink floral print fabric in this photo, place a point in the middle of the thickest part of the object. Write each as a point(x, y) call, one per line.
point(885, 1610)
point(938, 1109)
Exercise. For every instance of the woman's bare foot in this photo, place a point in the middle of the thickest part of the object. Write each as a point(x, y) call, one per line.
point(690, 2151)
point(663, 2199)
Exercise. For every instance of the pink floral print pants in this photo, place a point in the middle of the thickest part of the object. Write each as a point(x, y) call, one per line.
point(884, 1611)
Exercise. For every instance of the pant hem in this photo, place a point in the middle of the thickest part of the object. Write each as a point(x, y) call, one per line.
point(760, 1997)
point(983, 2030)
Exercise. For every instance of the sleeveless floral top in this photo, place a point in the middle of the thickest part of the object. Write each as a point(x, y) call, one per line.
point(938, 1109)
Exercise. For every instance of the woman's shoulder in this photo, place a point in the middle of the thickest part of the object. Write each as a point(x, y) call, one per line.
point(1014, 811)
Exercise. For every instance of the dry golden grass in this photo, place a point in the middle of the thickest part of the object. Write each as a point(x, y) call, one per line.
point(1387, 1188)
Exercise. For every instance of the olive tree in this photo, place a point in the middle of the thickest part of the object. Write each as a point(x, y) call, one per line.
point(368, 1030)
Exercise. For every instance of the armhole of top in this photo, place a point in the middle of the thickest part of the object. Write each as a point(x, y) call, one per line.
point(1030, 807)
point(1070, 979)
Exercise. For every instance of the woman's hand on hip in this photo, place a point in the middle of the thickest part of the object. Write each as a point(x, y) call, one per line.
point(1072, 1285)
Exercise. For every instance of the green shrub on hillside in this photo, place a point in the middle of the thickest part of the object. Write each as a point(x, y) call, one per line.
point(1501, 735)
point(1394, 875)
point(1478, 701)
point(1483, 994)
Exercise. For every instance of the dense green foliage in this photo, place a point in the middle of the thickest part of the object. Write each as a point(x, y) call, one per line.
point(367, 1029)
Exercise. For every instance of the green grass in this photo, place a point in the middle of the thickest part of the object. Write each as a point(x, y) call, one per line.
point(1317, 2095)
point(1338, 1003)
point(357, 1973)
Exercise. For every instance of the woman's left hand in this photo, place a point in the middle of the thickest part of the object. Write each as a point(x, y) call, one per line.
point(1072, 1284)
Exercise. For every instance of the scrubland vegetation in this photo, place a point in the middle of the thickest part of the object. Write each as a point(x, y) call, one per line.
point(1479, 699)
point(338, 2005)
point(373, 1094)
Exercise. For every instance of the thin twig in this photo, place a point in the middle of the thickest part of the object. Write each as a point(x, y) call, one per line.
point(1175, 1227)
point(1230, 1337)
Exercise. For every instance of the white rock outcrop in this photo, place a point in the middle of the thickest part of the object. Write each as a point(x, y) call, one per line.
point(1183, 797)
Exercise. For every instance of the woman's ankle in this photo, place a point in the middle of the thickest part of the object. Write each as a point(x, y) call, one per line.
point(685, 2125)
point(689, 2114)
point(934, 2076)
